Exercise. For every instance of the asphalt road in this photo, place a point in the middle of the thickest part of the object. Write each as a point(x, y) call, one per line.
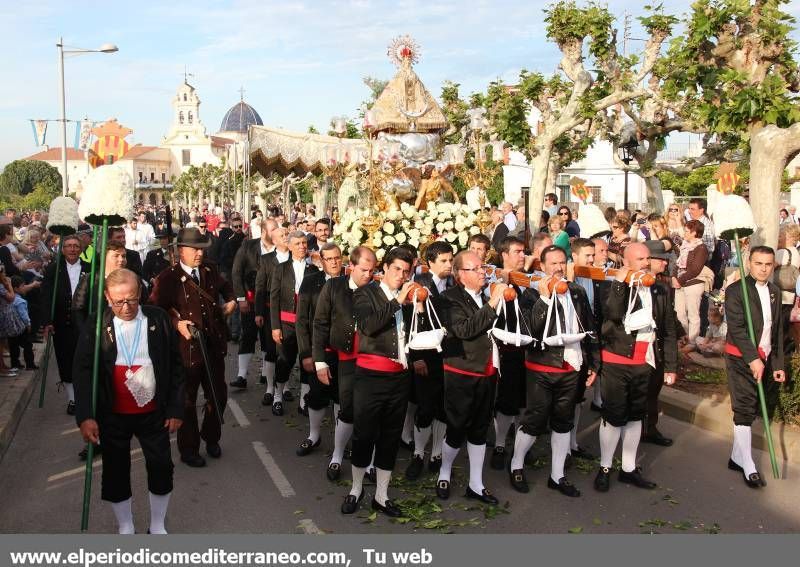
point(260, 485)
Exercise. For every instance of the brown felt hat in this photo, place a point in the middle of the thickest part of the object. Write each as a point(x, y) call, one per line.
point(193, 238)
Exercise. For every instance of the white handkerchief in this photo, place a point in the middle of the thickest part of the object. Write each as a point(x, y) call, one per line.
point(142, 384)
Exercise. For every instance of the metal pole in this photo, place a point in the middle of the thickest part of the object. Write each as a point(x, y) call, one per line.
point(93, 270)
point(48, 346)
point(64, 182)
point(87, 481)
point(759, 384)
point(625, 204)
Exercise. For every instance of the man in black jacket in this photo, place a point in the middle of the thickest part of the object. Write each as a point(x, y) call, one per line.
point(320, 395)
point(284, 287)
point(133, 260)
point(426, 366)
point(140, 392)
point(748, 363)
point(157, 260)
point(565, 324)
point(470, 375)
point(380, 390)
point(245, 269)
point(334, 346)
point(635, 341)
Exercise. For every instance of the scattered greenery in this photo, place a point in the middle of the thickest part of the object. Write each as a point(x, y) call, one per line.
point(29, 185)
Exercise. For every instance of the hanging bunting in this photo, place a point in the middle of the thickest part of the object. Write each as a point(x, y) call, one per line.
point(84, 135)
point(579, 189)
point(39, 131)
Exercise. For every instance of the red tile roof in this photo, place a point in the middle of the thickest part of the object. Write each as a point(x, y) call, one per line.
point(137, 151)
point(54, 154)
point(219, 141)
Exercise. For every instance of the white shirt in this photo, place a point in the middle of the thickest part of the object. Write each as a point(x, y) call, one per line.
point(255, 228)
point(299, 267)
point(441, 284)
point(476, 297)
point(266, 250)
point(136, 239)
point(510, 220)
point(74, 273)
point(398, 318)
point(765, 342)
point(125, 333)
point(189, 270)
point(281, 256)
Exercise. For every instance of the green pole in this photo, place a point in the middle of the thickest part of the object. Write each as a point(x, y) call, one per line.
point(92, 272)
point(759, 384)
point(49, 345)
point(87, 482)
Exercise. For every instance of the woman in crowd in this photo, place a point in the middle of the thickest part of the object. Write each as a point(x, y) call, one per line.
point(686, 281)
point(571, 226)
point(558, 234)
point(620, 227)
point(675, 224)
point(10, 323)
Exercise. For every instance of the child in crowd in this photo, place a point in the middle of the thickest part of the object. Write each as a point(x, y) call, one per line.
point(22, 341)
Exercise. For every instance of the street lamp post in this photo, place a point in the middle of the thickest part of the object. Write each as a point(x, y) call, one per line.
point(105, 48)
point(627, 152)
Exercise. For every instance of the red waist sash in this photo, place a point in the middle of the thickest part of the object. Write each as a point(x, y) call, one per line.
point(639, 355)
point(566, 367)
point(378, 363)
point(733, 350)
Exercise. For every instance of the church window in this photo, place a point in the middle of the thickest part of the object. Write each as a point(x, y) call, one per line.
point(186, 157)
point(163, 177)
point(141, 175)
point(190, 117)
point(152, 176)
point(184, 97)
point(180, 116)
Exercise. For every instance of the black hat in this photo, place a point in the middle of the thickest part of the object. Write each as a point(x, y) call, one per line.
point(657, 249)
point(193, 238)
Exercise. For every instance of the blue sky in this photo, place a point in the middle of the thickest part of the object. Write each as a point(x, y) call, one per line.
point(299, 62)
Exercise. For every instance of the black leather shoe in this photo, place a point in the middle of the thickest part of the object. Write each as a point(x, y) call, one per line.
point(414, 468)
point(734, 467)
point(564, 486)
point(277, 409)
point(635, 478)
point(390, 508)
point(350, 504)
point(306, 447)
point(581, 453)
point(240, 383)
point(602, 482)
point(372, 476)
point(434, 464)
point(302, 410)
point(262, 380)
point(214, 450)
point(654, 436)
point(267, 399)
point(754, 480)
point(408, 446)
point(334, 472)
point(518, 481)
point(288, 396)
point(194, 460)
point(595, 407)
point(485, 496)
point(443, 489)
point(70, 408)
point(498, 460)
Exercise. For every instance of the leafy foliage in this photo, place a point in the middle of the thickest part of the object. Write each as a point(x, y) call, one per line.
point(455, 110)
point(21, 177)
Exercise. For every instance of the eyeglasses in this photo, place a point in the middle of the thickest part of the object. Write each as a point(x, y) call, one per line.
point(564, 213)
point(478, 270)
point(237, 226)
point(125, 302)
point(673, 210)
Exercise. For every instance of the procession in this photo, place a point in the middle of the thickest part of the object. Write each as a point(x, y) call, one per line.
point(422, 320)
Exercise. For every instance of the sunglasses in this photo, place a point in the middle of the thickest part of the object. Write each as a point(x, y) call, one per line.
point(564, 214)
point(237, 226)
point(673, 210)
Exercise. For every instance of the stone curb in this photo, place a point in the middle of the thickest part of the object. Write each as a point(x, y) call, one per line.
point(716, 415)
point(18, 396)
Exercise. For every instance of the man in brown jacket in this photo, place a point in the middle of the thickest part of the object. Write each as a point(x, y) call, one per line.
point(189, 292)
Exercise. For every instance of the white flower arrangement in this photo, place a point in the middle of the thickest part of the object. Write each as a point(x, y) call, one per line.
point(732, 214)
point(63, 216)
point(107, 194)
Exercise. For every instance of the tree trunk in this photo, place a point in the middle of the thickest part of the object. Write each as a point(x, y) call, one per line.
point(540, 165)
point(655, 199)
point(770, 148)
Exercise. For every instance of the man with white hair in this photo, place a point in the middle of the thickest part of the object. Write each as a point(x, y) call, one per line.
point(509, 218)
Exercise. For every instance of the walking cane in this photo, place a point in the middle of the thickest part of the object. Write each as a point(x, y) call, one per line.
point(48, 347)
point(87, 481)
point(198, 335)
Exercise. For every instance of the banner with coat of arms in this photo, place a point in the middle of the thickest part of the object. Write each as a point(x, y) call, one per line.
point(110, 145)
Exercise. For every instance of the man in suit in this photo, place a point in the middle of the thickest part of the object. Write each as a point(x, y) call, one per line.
point(749, 363)
point(470, 376)
point(140, 392)
point(553, 371)
point(266, 264)
point(157, 260)
point(499, 230)
point(335, 345)
point(284, 287)
point(320, 395)
point(133, 261)
point(426, 369)
point(635, 341)
point(189, 291)
point(62, 324)
point(245, 270)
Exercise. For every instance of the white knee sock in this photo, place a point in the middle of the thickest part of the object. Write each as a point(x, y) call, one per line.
point(285, 386)
point(476, 454)
point(278, 392)
point(244, 362)
point(631, 434)
point(573, 435)
point(381, 490)
point(742, 453)
point(268, 371)
point(358, 480)
point(70, 391)
point(336, 409)
point(158, 511)
point(609, 437)
point(421, 437)
point(304, 389)
point(597, 399)
point(559, 448)
point(449, 455)
point(315, 418)
point(408, 425)
point(372, 461)
point(124, 515)
point(341, 436)
point(501, 424)
point(437, 433)
point(522, 444)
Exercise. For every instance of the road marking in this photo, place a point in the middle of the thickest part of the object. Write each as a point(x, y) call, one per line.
point(82, 468)
point(280, 480)
point(310, 528)
point(238, 413)
point(97, 467)
point(70, 431)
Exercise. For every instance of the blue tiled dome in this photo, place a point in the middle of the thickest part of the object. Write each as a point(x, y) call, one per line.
point(239, 117)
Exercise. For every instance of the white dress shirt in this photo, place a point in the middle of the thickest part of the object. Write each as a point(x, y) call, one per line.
point(299, 267)
point(441, 284)
point(476, 297)
point(765, 342)
point(398, 318)
point(74, 273)
point(281, 257)
point(189, 270)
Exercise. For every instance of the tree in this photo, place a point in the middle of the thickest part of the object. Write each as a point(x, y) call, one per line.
point(40, 198)
point(21, 177)
point(735, 69)
point(455, 110)
point(312, 129)
point(197, 183)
